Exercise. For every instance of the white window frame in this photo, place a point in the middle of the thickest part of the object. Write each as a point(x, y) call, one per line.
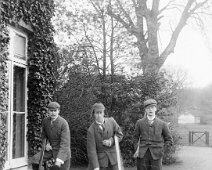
point(12, 32)
point(13, 61)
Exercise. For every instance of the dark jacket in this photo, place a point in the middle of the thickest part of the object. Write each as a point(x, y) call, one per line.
point(58, 134)
point(153, 136)
point(98, 154)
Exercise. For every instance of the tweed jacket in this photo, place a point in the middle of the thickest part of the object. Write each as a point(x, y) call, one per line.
point(98, 154)
point(153, 136)
point(58, 135)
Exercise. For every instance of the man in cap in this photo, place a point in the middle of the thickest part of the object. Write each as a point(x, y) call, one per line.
point(100, 140)
point(55, 130)
point(151, 134)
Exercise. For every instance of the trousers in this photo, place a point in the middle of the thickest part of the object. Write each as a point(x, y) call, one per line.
point(148, 163)
point(110, 167)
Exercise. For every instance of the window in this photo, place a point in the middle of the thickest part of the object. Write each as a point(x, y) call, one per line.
point(17, 107)
point(19, 46)
point(18, 112)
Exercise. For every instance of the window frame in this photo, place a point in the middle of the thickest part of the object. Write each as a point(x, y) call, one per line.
point(11, 63)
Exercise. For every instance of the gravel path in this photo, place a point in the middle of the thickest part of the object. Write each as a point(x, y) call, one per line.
point(193, 158)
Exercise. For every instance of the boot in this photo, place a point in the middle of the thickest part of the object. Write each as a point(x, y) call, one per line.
point(35, 166)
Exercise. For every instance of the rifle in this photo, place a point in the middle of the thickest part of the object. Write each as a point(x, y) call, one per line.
point(42, 153)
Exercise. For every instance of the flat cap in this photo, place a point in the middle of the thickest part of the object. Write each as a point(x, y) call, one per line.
point(98, 106)
point(53, 105)
point(149, 102)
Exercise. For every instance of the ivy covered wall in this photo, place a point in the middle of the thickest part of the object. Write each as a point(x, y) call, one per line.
point(41, 56)
point(4, 40)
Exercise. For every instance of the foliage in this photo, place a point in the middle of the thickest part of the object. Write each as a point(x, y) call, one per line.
point(76, 98)
point(123, 100)
point(145, 20)
point(160, 87)
point(169, 157)
point(41, 56)
point(81, 29)
point(195, 101)
point(4, 40)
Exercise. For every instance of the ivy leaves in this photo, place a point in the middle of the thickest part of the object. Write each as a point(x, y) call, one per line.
point(41, 57)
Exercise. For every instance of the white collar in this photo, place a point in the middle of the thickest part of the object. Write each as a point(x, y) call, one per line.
point(150, 118)
point(100, 123)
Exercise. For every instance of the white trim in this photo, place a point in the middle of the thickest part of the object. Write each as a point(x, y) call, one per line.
point(7, 164)
point(11, 57)
point(17, 163)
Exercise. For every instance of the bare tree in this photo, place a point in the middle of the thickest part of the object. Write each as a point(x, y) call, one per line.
point(142, 19)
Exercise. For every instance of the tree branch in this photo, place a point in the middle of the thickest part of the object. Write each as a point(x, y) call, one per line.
point(126, 14)
point(197, 6)
point(129, 26)
point(95, 55)
point(172, 43)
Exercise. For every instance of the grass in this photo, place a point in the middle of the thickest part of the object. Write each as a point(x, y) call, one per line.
point(184, 129)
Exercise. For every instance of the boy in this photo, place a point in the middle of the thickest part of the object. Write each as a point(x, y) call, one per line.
point(55, 130)
point(100, 140)
point(151, 133)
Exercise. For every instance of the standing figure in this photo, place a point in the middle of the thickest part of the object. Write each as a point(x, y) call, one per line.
point(151, 134)
point(55, 130)
point(100, 140)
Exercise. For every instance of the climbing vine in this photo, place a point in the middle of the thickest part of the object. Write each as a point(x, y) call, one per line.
point(4, 40)
point(41, 57)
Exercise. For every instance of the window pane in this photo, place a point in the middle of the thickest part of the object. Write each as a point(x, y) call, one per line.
point(19, 89)
point(18, 135)
point(20, 47)
point(18, 112)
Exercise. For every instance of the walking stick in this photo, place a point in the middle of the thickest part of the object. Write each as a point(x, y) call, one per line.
point(42, 153)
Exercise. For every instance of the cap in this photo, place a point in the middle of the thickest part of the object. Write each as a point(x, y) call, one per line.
point(53, 105)
point(149, 102)
point(98, 106)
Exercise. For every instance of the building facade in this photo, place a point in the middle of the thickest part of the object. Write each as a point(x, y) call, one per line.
point(16, 155)
point(29, 49)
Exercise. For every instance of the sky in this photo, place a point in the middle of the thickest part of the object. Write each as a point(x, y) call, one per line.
point(193, 54)
point(193, 51)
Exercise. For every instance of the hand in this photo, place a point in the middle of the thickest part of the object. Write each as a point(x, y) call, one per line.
point(58, 163)
point(48, 147)
point(107, 142)
point(96, 169)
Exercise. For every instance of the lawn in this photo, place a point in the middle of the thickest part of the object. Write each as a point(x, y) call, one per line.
point(183, 131)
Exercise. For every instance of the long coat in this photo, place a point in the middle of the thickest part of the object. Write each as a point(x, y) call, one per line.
point(98, 154)
point(153, 136)
point(57, 134)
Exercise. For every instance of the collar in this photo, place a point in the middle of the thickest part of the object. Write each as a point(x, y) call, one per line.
point(100, 123)
point(52, 120)
point(150, 118)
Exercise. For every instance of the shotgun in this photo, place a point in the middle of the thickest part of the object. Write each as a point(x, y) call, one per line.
point(42, 153)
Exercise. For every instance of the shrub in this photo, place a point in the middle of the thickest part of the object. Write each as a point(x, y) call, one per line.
point(123, 100)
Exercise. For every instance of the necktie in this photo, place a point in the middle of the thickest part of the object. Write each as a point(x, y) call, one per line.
point(150, 122)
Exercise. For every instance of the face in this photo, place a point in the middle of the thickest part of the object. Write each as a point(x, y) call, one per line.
point(150, 110)
point(99, 115)
point(53, 113)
